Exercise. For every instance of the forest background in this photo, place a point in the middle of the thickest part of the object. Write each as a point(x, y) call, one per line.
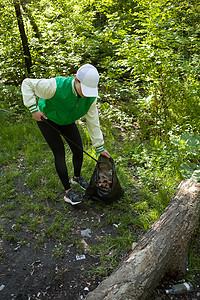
point(147, 54)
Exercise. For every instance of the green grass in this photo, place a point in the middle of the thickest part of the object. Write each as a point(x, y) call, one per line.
point(31, 193)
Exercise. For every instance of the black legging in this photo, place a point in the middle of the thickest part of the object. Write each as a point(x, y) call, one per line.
point(56, 144)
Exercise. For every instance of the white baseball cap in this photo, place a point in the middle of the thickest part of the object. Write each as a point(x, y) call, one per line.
point(89, 79)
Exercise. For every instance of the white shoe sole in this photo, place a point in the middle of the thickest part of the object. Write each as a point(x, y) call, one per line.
point(67, 200)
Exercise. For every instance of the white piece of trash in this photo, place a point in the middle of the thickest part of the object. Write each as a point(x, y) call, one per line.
point(86, 233)
point(2, 287)
point(80, 257)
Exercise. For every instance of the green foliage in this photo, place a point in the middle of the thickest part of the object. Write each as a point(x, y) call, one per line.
point(196, 175)
point(188, 145)
point(147, 53)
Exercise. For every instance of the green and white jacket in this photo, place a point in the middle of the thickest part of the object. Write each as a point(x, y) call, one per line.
point(59, 101)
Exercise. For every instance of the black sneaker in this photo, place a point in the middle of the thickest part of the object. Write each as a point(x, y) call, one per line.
point(80, 181)
point(72, 197)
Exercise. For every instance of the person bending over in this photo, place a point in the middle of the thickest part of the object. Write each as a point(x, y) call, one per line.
point(62, 101)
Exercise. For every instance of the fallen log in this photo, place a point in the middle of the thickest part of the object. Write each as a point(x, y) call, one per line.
point(163, 250)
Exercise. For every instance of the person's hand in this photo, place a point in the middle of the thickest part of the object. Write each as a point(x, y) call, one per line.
point(105, 153)
point(38, 114)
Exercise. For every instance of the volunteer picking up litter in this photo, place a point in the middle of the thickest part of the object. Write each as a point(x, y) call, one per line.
point(62, 101)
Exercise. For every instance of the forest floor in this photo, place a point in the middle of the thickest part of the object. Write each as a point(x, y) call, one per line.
point(29, 272)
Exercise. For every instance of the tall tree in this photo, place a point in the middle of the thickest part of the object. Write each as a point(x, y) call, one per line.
point(31, 18)
point(24, 39)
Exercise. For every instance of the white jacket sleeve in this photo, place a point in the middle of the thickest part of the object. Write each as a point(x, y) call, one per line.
point(93, 126)
point(42, 88)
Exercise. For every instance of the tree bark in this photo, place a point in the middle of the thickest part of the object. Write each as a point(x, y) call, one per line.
point(23, 36)
point(31, 18)
point(162, 250)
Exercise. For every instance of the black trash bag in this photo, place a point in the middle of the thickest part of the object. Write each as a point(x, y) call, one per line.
point(104, 185)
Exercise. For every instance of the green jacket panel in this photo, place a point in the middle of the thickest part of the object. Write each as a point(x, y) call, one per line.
point(65, 107)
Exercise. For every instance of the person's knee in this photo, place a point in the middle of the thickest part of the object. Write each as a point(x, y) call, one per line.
point(58, 151)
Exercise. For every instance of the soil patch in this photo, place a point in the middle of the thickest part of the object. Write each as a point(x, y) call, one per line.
point(31, 273)
point(47, 269)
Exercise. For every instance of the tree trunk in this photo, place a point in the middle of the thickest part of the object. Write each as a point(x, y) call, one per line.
point(23, 36)
point(31, 18)
point(162, 250)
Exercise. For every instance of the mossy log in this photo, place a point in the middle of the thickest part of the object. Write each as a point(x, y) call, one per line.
point(163, 250)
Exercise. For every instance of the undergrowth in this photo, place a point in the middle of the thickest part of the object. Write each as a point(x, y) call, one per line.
point(31, 193)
